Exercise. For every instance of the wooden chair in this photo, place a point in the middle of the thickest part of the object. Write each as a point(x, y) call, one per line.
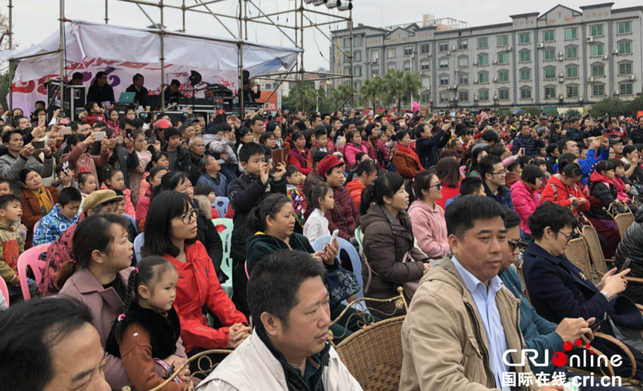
point(373, 355)
point(577, 253)
point(624, 221)
point(595, 251)
point(204, 367)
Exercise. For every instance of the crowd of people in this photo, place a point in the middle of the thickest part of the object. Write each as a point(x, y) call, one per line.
point(444, 205)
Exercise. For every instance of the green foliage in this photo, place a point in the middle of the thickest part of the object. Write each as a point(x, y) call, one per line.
point(616, 106)
point(573, 113)
point(532, 111)
point(4, 89)
point(400, 86)
point(371, 90)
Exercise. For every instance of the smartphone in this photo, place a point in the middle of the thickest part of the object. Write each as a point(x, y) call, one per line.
point(151, 140)
point(277, 157)
point(625, 265)
point(99, 136)
point(41, 121)
point(594, 326)
point(38, 144)
point(334, 236)
point(65, 131)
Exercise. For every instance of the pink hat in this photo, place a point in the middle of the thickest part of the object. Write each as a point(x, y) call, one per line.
point(162, 124)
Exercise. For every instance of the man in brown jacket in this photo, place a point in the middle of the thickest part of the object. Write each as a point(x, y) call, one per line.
point(462, 320)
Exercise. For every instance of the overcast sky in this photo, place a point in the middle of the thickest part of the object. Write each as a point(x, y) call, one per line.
point(36, 19)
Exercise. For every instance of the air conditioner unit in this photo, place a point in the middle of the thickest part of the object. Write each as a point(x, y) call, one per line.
point(631, 77)
point(494, 62)
point(448, 53)
point(509, 48)
point(590, 39)
point(475, 63)
point(475, 81)
point(375, 60)
point(591, 79)
point(453, 48)
point(561, 75)
point(475, 97)
point(605, 57)
point(617, 92)
point(495, 97)
point(561, 80)
point(495, 79)
point(454, 87)
point(457, 69)
point(615, 52)
point(561, 97)
point(540, 45)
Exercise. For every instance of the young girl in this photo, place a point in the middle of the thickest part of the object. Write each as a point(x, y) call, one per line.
point(208, 191)
point(152, 180)
point(622, 188)
point(115, 180)
point(321, 200)
point(146, 334)
point(113, 122)
point(144, 158)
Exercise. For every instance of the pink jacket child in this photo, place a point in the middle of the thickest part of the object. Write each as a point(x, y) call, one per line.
point(350, 152)
point(620, 189)
point(525, 202)
point(127, 194)
point(430, 229)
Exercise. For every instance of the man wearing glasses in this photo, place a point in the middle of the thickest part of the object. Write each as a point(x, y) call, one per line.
point(494, 174)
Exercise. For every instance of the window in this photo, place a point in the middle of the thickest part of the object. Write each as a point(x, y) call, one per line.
point(375, 70)
point(549, 36)
point(525, 74)
point(503, 76)
point(598, 70)
point(444, 47)
point(483, 43)
point(525, 56)
point(503, 94)
point(374, 55)
point(390, 65)
point(425, 48)
point(624, 27)
point(407, 66)
point(550, 54)
point(425, 65)
point(596, 30)
point(572, 52)
point(503, 58)
point(408, 50)
point(625, 47)
point(625, 89)
point(357, 71)
point(358, 40)
point(572, 91)
point(347, 70)
point(425, 97)
point(358, 85)
point(390, 53)
point(357, 56)
point(524, 38)
point(426, 81)
point(550, 73)
point(598, 90)
point(550, 92)
point(483, 59)
point(463, 79)
point(597, 50)
point(444, 80)
point(503, 40)
point(444, 63)
point(525, 93)
point(483, 95)
point(463, 44)
point(625, 68)
point(571, 33)
point(444, 98)
point(463, 96)
point(483, 77)
point(347, 43)
point(463, 61)
point(572, 71)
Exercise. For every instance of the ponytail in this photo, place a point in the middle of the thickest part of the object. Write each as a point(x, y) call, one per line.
point(66, 271)
point(269, 207)
point(368, 197)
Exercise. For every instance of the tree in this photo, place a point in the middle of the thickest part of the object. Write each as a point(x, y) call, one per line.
point(340, 95)
point(401, 86)
point(617, 107)
point(293, 101)
point(5, 82)
point(372, 89)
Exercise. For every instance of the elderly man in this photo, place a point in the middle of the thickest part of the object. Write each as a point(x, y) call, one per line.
point(211, 176)
point(20, 156)
point(194, 168)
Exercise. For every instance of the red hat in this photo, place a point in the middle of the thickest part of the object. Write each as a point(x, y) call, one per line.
point(162, 124)
point(327, 163)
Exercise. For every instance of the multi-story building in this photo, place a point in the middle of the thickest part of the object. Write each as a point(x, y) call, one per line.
point(563, 57)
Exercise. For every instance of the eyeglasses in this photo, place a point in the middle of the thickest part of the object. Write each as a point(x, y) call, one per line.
point(567, 237)
point(503, 172)
point(439, 186)
point(520, 244)
point(188, 217)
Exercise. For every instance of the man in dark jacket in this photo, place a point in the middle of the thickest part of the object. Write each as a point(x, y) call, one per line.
point(637, 133)
point(245, 193)
point(429, 144)
point(123, 158)
point(100, 91)
point(574, 132)
point(178, 156)
point(137, 88)
point(493, 175)
point(345, 215)
point(527, 139)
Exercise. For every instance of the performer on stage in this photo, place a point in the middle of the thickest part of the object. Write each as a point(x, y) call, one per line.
point(100, 91)
point(172, 93)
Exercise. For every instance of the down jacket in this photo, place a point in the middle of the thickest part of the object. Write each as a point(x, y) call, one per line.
point(602, 194)
point(350, 153)
point(631, 247)
point(525, 203)
point(345, 215)
point(556, 192)
point(386, 241)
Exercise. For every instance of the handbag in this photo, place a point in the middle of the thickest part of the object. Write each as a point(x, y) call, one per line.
point(341, 285)
point(411, 286)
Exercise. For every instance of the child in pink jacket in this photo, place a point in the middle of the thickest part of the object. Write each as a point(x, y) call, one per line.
point(524, 194)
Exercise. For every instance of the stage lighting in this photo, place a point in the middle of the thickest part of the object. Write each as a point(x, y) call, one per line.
point(309, 1)
point(345, 6)
point(334, 4)
point(319, 2)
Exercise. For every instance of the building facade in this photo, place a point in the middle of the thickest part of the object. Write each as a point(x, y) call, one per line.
point(563, 57)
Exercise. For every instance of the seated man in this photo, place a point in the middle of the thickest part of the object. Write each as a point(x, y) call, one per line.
point(462, 320)
point(558, 289)
point(60, 341)
point(287, 349)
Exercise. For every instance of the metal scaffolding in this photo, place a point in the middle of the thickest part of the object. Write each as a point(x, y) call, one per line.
point(294, 32)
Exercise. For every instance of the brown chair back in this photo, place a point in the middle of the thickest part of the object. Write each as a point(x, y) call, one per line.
point(578, 254)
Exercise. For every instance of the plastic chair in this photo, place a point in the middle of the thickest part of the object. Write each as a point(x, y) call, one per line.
point(4, 290)
point(130, 218)
point(138, 245)
point(222, 204)
point(356, 262)
point(359, 236)
point(29, 259)
point(226, 261)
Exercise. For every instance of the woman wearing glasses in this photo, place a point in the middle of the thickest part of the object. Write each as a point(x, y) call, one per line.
point(427, 217)
point(171, 232)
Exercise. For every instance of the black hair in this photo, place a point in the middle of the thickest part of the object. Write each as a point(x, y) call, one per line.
point(271, 126)
point(5, 199)
point(421, 182)
point(203, 189)
point(26, 171)
point(400, 135)
point(550, 215)
point(318, 192)
point(297, 135)
point(530, 173)
point(264, 137)
point(473, 163)
point(562, 145)
point(511, 219)
point(6, 137)
point(77, 75)
point(486, 165)
point(448, 170)
point(384, 186)
point(470, 185)
point(462, 214)
point(136, 77)
point(617, 163)
point(110, 173)
point(90, 106)
point(93, 233)
point(249, 150)
point(551, 148)
point(275, 281)
point(28, 333)
point(629, 149)
point(367, 166)
point(175, 82)
point(170, 182)
point(69, 194)
point(320, 131)
point(291, 170)
point(419, 130)
point(156, 156)
point(604, 165)
point(270, 206)
point(166, 206)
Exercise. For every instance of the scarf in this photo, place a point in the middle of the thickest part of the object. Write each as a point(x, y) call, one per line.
point(44, 200)
point(412, 154)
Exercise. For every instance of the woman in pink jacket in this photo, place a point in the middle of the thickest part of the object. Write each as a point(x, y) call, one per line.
point(353, 147)
point(525, 197)
point(427, 217)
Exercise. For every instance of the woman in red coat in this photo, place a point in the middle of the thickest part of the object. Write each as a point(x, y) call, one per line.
point(299, 154)
point(448, 172)
point(406, 161)
point(563, 188)
point(37, 201)
point(171, 232)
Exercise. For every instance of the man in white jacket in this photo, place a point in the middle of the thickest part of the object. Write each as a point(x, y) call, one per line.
point(288, 348)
